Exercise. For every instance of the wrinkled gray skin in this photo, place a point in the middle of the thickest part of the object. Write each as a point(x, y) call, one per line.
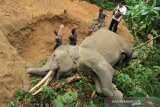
point(97, 55)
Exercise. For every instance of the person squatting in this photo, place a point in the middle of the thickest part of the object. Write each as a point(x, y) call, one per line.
point(99, 21)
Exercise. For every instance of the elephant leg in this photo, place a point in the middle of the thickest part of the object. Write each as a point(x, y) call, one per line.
point(104, 72)
point(98, 85)
point(105, 85)
point(102, 69)
point(58, 74)
point(117, 94)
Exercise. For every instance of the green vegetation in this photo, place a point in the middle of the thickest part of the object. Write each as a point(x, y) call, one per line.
point(140, 78)
point(143, 18)
point(106, 4)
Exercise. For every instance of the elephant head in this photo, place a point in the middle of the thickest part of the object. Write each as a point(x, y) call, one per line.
point(61, 61)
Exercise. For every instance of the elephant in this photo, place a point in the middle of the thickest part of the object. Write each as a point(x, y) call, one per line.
point(97, 55)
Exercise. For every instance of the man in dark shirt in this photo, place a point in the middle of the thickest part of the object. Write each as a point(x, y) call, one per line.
point(73, 37)
point(99, 21)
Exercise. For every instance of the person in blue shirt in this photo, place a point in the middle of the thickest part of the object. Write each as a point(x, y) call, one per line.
point(100, 20)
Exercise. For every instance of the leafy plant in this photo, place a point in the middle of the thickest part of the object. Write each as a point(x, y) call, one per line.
point(35, 80)
point(21, 98)
point(47, 93)
point(140, 78)
point(106, 4)
point(68, 99)
point(142, 17)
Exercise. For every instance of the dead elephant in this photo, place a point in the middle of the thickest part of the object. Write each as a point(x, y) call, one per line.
point(96, 55)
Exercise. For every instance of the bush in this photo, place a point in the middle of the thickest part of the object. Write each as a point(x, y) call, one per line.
point(142, 17)
point(141, 78)
point(105, 4)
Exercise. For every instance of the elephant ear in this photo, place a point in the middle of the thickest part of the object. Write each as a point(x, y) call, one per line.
point(64, 61)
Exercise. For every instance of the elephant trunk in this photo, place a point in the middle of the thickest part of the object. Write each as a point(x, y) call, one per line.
point(50, 65)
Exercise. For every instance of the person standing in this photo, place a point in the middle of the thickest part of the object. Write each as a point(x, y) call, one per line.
point(118, 15)
point(58, 39)
point(73, 37)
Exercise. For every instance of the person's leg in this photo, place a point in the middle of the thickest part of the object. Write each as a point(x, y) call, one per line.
point(115, 26)
point(72, 43)
point(97, 26)
point(93, 25)
point(56, 46)
point(111, 25)
point(100, 24)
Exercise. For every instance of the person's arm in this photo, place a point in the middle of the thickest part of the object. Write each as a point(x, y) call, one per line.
point(60, 32)
point(115, 9)
point(56, 38)
point(60, 29)
point(96, 18)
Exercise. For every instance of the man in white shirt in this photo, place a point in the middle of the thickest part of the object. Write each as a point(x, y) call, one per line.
point(118, 16)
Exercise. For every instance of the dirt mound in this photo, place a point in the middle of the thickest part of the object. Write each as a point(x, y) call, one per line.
point(26, 35)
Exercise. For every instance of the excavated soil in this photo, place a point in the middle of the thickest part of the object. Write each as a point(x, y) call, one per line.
point(37, 40)
point(26, 35)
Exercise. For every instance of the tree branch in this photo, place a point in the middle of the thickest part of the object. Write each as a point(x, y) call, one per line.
point(140, 46)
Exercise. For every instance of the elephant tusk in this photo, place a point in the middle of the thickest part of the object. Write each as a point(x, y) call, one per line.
point(50, 73)
point(45, 84)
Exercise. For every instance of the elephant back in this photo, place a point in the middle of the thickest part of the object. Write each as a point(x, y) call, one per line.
point(107, 43)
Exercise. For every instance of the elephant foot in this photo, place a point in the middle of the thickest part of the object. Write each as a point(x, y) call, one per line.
point(117, 95)
point(106, 92)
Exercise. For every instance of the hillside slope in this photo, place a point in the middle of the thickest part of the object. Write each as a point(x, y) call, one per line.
point(26, 35)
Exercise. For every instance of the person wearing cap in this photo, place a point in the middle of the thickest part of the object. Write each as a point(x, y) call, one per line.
point(73, 37)
point(100, 20)
point(118, 16)
point(58, 39)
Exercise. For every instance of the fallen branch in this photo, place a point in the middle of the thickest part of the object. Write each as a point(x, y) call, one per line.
point(58, 85)
point(140, 46)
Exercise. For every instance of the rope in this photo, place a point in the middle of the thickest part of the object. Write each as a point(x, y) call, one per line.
point(75, 59)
